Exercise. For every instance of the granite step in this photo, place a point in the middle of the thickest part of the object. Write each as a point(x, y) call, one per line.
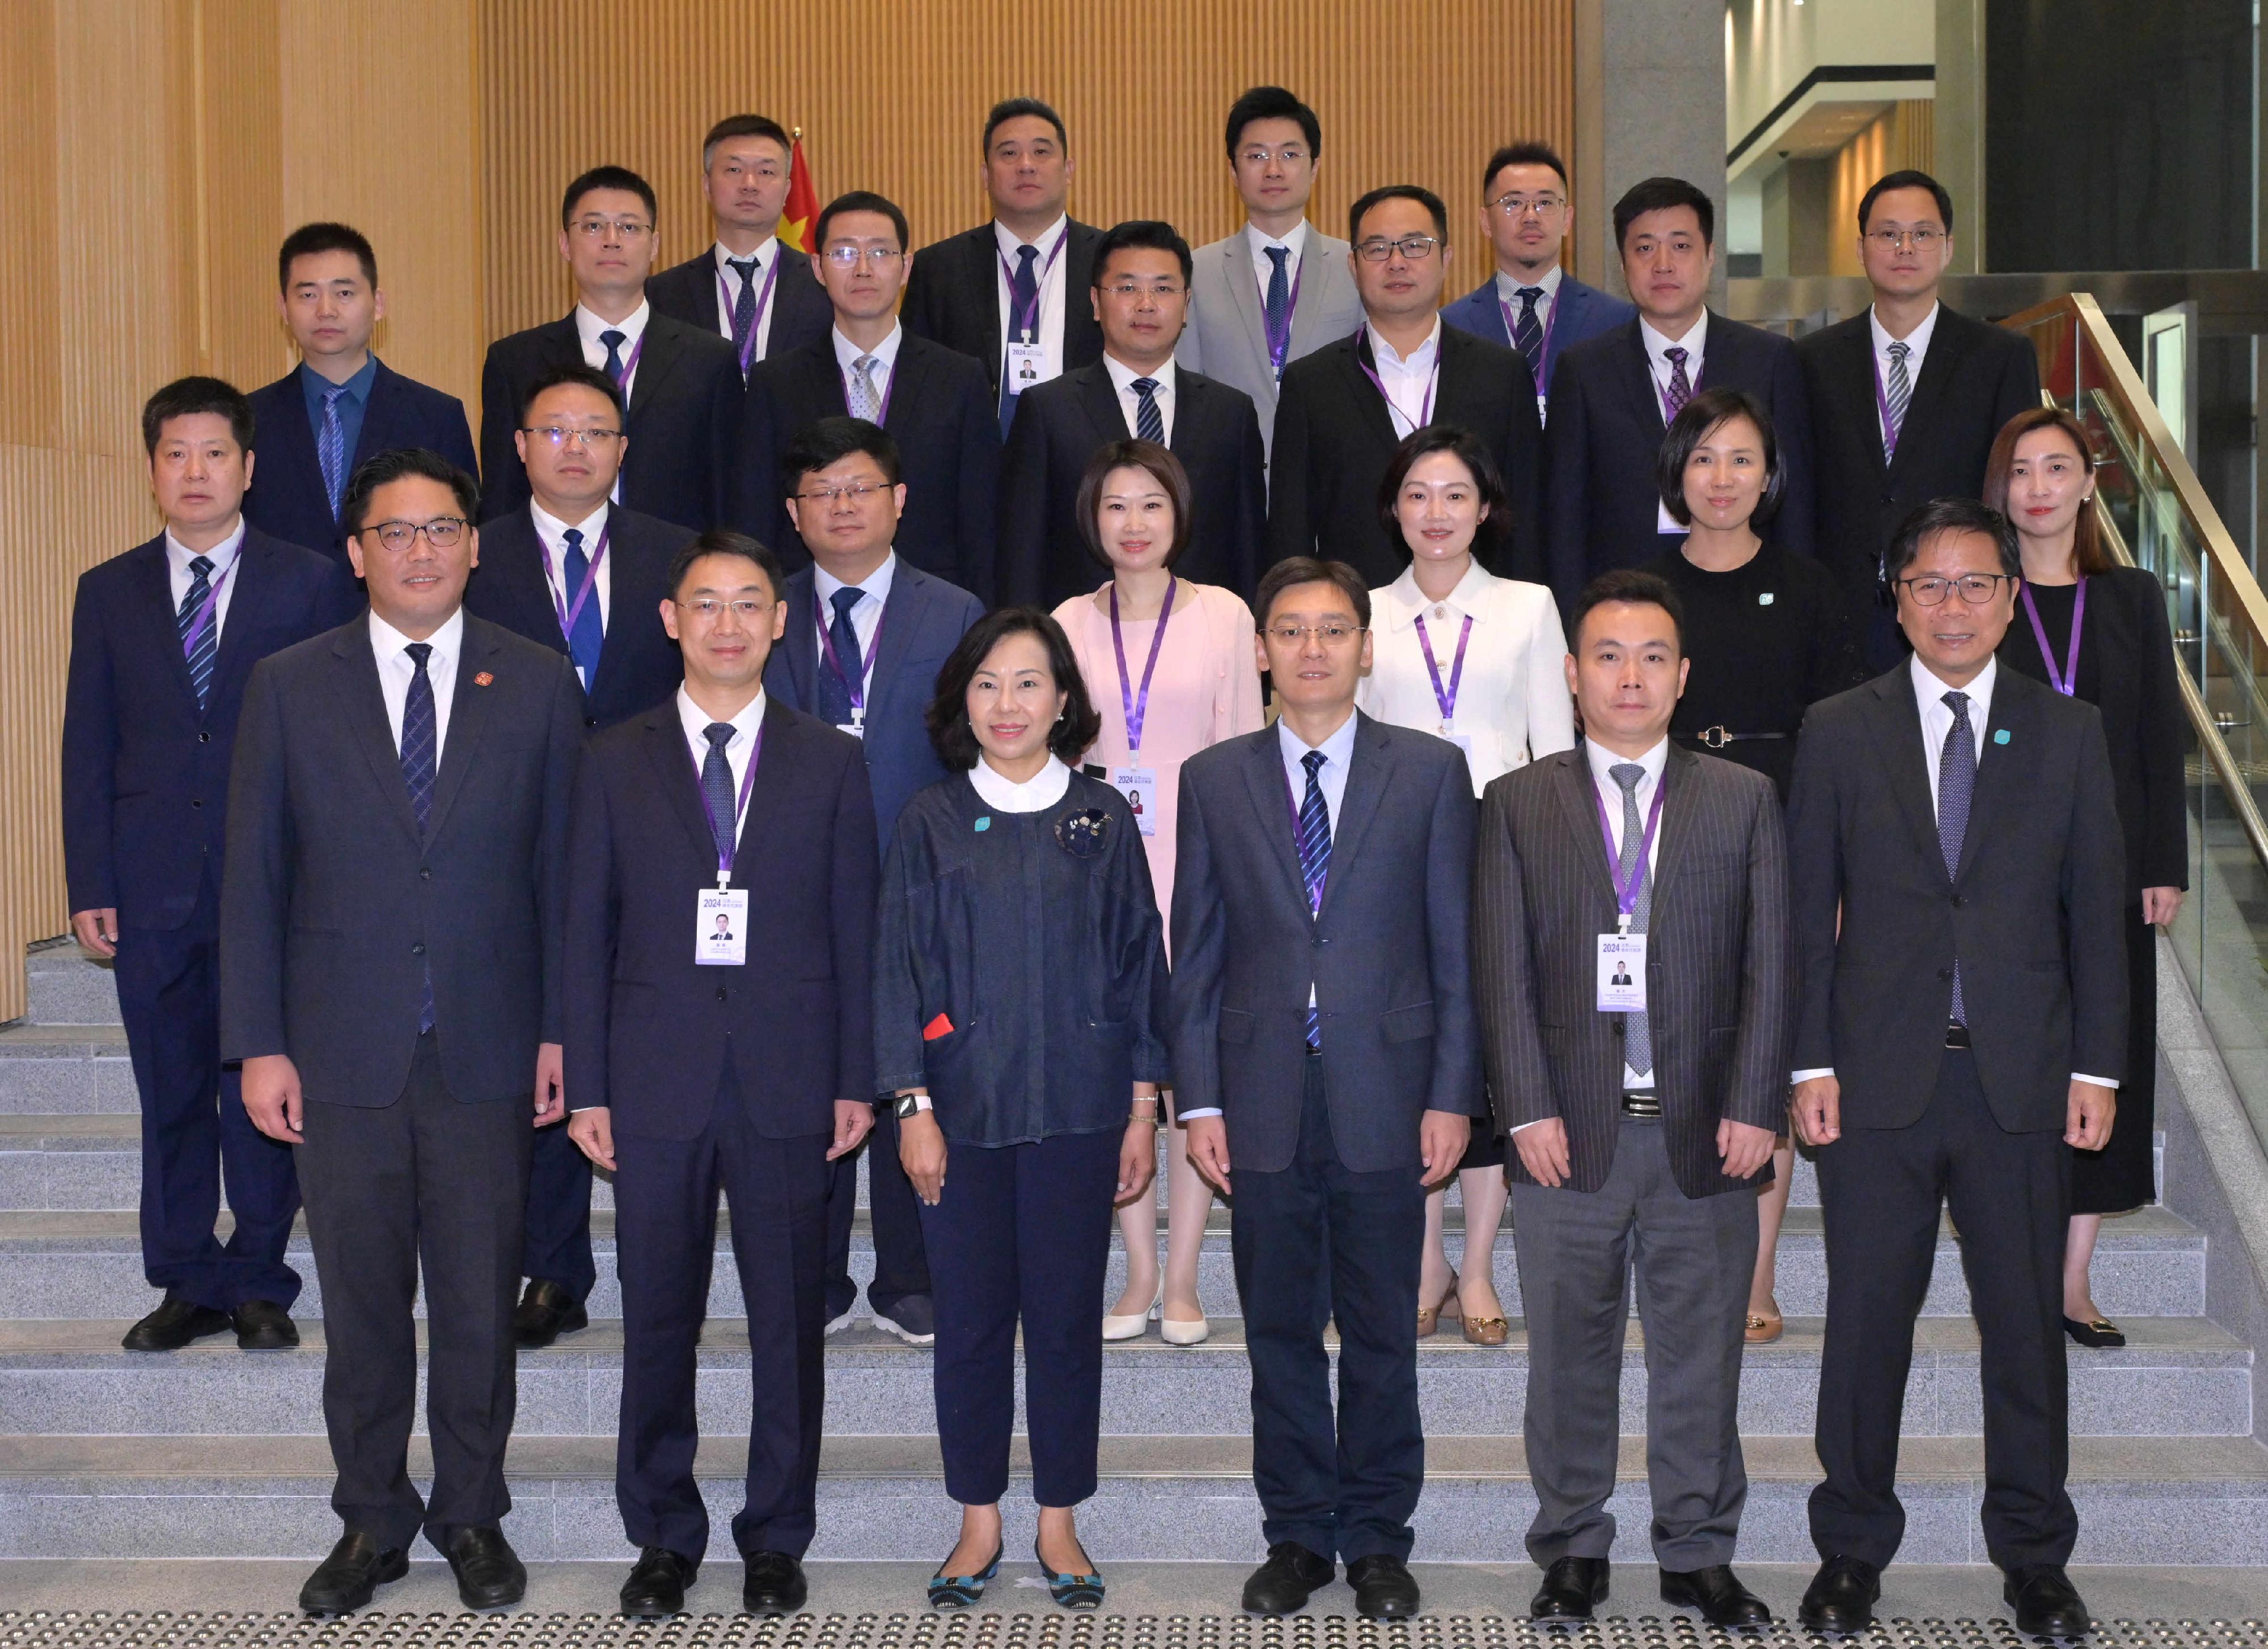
point(77, 1069)
point(68, 987)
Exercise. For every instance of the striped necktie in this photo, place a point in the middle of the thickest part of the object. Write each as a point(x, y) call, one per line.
point(420, 751)
point(1897, 391)
point(1314, 862)
point(200, 642)
point(1528, 331)
point(331, 450)
point(1149, 421)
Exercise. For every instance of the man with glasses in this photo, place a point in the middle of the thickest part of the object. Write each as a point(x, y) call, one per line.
point(1278, 288)
point(1136, 391)
point(1906, 398)
point(1530, 302)
point(935, 401)
point(391, 935)
point(1346, 407)
point(679, 383)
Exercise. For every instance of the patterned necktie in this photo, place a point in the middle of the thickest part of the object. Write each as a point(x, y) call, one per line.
point(866, 401)
point(331, 449)
point(1638, 1031)
point(1956, 783)
point(835, 689)
point(717, 788)
point(1314, 861)
point(1149, 423)
point(589, 634)
point(613, 342)
point(1898, 392)
point(420, 743)
point(1279, 307)
point(1681, 388)
point(1528, 331)
point(744, 307)
point(201, 648)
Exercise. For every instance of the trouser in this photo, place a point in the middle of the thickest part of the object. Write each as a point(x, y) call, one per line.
point(901, 1267)
point(436, 1184)
point(557, 1249)
point(1313, 1244)
point(1694, 1256)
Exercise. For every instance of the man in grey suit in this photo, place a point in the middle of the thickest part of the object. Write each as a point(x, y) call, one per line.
point(1639, 1109)
point(1278, 288)
point(391, 932)
point(1322, 1031)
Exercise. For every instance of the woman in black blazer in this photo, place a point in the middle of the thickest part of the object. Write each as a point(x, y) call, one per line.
point(2091, 627)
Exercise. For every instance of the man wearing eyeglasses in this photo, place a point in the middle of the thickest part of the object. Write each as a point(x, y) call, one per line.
point(935, 401)
point(1906, 397)
point(680, 384)
point(391, 932)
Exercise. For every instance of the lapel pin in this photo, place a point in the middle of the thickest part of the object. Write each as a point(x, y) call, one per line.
point(1999, 735)
point(985, 823)
point(1766, 598)
point(483, 678)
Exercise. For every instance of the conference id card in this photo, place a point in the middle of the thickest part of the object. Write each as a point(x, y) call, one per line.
point(856, 726)
point(1139, 786)
point(1027, 364)
point(1543, 410)
point(1665, 522)
point(720, 928)
point(1621, 972)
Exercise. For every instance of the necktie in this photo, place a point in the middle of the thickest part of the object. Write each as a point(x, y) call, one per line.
point(200, 649)
point(1149, 423)
point(614, 341)
point(866, 401)
point(1637, 1032)
point(1023, 309)
point(1527, 330)
point(589, 634)
point(835, 689)
point(1681, 388)
point(331, 449)
point(420, 743)
point(717, 788)
point(1956, 783)
point(1314, 861)
point(744, 307)
point(1898, 392)
point(1279, 307)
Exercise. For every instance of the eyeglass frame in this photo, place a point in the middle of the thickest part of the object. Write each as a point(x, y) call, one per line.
point(848, 257)
point(1923, 237)
point(557, 436)
point(1289, 154)
point(378, 530)
point(701, 603)
point(595, 228)
point(1528, 206)
point(1993, 579)
point(857, 493)
point(1379, 249)
point(1297, 635)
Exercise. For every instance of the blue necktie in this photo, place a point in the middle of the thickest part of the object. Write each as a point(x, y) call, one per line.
point(1528, 331)
point(589, 635)
point(1023, 304)
point(1638, 1031)
point(744, 308)
point(1956, 783)
point(834, 688)
point(717, 792)
point(1149, 423)
point(1314, 861)
point(613, 342)
point(201, 650)
point(420, 743)
point(331, 450)
point(1280, 308)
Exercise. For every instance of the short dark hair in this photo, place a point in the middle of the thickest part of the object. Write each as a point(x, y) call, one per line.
point(824, 443)
point(1159, 463)
point(1469, 450)
point(1015, 108)
point(309, 239)
point(186, 397)
point(1272, 103)
point(1626, 585)
point(1149, 234)
point(1950, 515)
point(582, 377)
point(405, 463)
point(744, 126)
point(607, 177)
point(859, 201)
point(1662, 195)
point(1530, 153)
point(720, 541)
point(1909, 178)
point(1424, 197)
point(1692, 425)
point(1298, 569)
point(952, 737)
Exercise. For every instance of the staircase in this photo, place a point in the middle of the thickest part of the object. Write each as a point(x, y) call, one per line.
point(213, 1452)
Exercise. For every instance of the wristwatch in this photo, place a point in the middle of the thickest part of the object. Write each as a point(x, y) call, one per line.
point(911, 1104)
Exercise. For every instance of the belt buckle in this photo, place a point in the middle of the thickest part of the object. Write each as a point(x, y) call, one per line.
point(1645, 1106)
point(1714, 738)
point(1957, 1036)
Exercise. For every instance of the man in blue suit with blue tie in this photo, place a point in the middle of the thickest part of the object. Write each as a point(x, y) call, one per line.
point(867, 632)
point(341, 403)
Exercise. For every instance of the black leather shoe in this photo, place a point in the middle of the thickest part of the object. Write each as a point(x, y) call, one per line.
point(261, 1325)
point(2045, 1602)
point(1842, 1596)
point(1384, 1588)
point(1281, 1586)
point(546, 1311)
point(774, 1584)
point(173, 1326)
point(490, 1574)
point(2101, 1335)
point(347, 1578)
point(657, 1584)
point(1571, 1588)
point(1717, 1594)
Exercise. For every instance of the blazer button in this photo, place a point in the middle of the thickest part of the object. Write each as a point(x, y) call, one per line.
point(424, 874)
point(196, 804)
point(720, 993)
point(1956, 902)
point(418, 949)
point(204, 738)
point(1618, 1026)
point(589, 721)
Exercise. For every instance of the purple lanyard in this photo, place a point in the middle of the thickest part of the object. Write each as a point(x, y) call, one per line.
point(204, 617)
point(1279, 348)
point(763, 302)
point(1626, 896)
point(1432, 383)
point(857, 688)
point(2067, 683)
point(1137, 708)
point(740, 810)
point(1543, 366)
point(882, 412)
point(629, 368)
point(1447, 701)
point(1024, 325)
point(569, 614)
point(1890, 435)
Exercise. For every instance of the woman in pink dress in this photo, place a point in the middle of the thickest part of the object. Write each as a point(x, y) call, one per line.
point(1173, 670)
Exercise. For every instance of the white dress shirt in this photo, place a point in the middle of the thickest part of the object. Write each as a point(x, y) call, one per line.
point(1036, 794)
point(552, 533)
point(1917, 342)
point(865, 617)
point(1264, 269)
point(1121, 379)
point(588, 327)
point(397, 670)
point(737, 748)
point(1409, 378)
point(1660, 365)
point(1051, 279)
point(1507, 291)
point(729, 280)
point(222, 557)
point(848, 354)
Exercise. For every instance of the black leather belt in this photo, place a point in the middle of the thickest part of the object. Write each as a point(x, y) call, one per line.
point(1717, 738)
point(1956, 1036)
point(1645, 1106)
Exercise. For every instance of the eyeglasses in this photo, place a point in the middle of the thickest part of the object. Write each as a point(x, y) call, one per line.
point(746, 606)
point(598, 228)
point(1416, 248)
point(1330, 634)
point(589, 440)
point(848, 257)
point(1977, 588)
point(1522, 205)
point(1128, 290)
point(858, 493)
point(1289, 154)
point(442, 531)
point(1921, 239)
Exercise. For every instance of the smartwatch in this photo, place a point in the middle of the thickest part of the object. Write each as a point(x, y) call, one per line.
point(911, 1104)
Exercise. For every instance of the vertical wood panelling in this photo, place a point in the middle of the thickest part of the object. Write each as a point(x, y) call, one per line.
point(1902, 137)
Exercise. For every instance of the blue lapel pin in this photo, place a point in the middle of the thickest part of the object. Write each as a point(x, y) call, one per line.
point(985, 823)
point(1999, 735)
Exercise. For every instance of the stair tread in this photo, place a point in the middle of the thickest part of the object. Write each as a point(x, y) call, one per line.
point(53, 1042)
point(28, 1130)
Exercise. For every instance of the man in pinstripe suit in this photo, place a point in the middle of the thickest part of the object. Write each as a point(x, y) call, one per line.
point(1643, 1114)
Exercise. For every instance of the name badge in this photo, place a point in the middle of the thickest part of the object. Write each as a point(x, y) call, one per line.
point(1665, 522)
point(1621, 972)
point(1542, 410)
point(720, 928)
point(856, 726)
point(1139, 786)
point(1027, 364)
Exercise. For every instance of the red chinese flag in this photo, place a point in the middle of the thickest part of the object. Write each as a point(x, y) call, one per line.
point(802, 208)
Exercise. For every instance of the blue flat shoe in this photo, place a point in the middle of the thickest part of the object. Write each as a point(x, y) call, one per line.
point(1071, 1590)
point(961, 1591)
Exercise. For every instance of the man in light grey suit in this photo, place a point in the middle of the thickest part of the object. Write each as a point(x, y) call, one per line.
point(1278, 288)
point(1642, 1115)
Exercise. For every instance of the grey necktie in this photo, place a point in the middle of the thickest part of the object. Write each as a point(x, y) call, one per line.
point(866, 402)
point(1898, 392)
point(1638, 1033)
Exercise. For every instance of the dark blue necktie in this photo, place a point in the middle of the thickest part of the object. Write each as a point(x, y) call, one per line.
point(1279, 307)
point(331, 450)
point(613, 342)
point(420, 743)
point(744, 307)
point(204, 645)
point(589, 634)
point(834, 686)
point(1023, 312)
point(1149, 421)
point(1314, 861)
point(717, 793)
point(1528, 331)
point(1956, 783)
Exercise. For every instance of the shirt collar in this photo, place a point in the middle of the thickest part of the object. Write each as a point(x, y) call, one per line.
point(1043, 790)
point(696, 720)
point(1404, 601)
point(763, 255)
point(1695, 342)
point(588, 327)
point(1338, 749)
point(876, 584)
point(1044, 243)
point(1418, 358)
point(1508, 289)
point(179, 555)
point(1122, 376)
point(1260, 240)
point(447, 642)
point(1930, 691)
point(885, 353)
point(1603, 760)
point(553, 531)
point(1917, 340)
point(358, 387)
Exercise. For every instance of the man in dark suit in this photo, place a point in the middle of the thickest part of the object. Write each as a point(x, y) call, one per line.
point(1141, 298)
point(1532, 303)
point(1959, 895)
point(1345, 409)
point(867, 632)
point(1632, 988)
point(341, 404)
point(742, 1061)
point(1006, 291)
point(1613, 397)
point(680, 382)
point(391, 929)
point(1323, 1034)
point(162, 640)
point(750, 288)
point(1905, 399)
point(936, 402)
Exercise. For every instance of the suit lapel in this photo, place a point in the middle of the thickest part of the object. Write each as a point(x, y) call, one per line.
point(364, 703)
point(1681, 804)
point(1638, 380)
point(1193, 405)
point(377, 432)
point(901, 620)
point(1909, 762)
point(1369, 396)
point(908, 373)
point(981, 270)
point(663, 349)
point(802, 638)
point(1322, 267)
point(2000, 780)
point(287, 443)
point(1369, 772)
point(1099, 398)
point(249, 598)
point(1579, 803)
point(468, 719)
point(1244, 293)
point(679, 780)
point(1854, 373)
point(1947, 346)
point(1273, 808)
point(776, 754)
point(155, 584)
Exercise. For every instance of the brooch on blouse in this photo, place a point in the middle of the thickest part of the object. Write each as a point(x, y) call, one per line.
point(1082, 834)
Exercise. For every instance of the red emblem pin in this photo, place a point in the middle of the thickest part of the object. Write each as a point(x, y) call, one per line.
point(483, 678)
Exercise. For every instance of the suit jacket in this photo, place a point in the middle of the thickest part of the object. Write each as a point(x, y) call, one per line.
point(287, 500)
point(1604, 440)
point(800, 312)
point(952, 298)
point(1226, 337)
point(1335, 438)
point(2035, 914)
point(334, 908)
point(1387, 957)
point(653, 1028)
point(638, 664)
point(1718, 998)
point(1580, 313)
point(943, 418)
point(923, 621)
point(684, 419)
point(1060, 425)
point(145, 772)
